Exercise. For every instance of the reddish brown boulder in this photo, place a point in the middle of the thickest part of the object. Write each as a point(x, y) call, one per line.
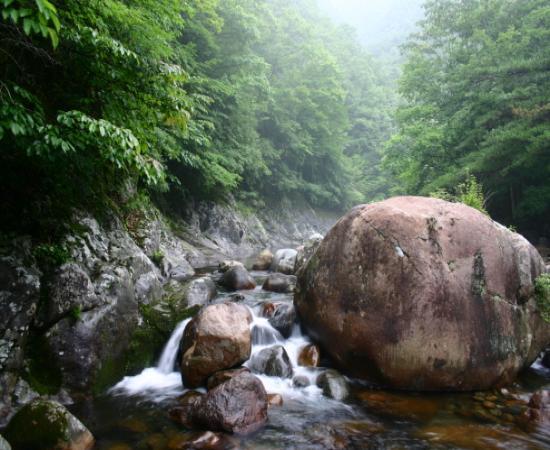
point(223, 375)
point(274, 400)
point(218, 338)
point(419, 293)
point(237, 406)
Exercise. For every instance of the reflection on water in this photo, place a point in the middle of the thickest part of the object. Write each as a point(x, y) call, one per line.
point(133, 414)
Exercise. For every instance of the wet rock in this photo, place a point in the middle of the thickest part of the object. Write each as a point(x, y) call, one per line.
point(309, 356)
point(281, 316)
point(300, 381)
point(224, 375)
point(436, 272)
point(4, 444)
point(237, 278)
point(224, 266)
point(198, 441)
point(284, 261)
point(263, 261)
point(47, 425)
point(545, 361)
point(218, 338)
point(274, 400)
point(538, 412)
point(307, 250)
point(278, 282)
point(272, 361)
point(189, 398)
point(200, 291)
point(333, 384)
point(238, 405)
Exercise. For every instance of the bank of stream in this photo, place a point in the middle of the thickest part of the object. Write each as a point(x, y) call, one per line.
point(133, 414)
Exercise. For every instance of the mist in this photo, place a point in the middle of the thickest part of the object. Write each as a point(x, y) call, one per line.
point(382, 25)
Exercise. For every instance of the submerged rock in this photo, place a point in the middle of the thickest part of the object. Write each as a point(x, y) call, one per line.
point(47, 425)
point(263, 261)
point(284, 261)
point(333, 384)
point(434, 296)
point(278, 282)
point(218, 338)
point(272, 361)
point(237, 278)
point(238, 405)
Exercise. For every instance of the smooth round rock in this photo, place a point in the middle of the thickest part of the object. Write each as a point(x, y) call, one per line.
point(419, 293)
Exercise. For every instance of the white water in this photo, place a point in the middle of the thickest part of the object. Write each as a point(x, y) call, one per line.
point(162, 382)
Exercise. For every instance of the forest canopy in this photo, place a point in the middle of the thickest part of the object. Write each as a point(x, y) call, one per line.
point(268, 100)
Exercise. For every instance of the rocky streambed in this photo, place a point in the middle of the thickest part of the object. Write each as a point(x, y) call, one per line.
point(411, 294)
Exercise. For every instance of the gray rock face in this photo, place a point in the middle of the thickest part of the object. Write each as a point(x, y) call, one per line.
point(45, 425)
point(333, 385)
point(200, 291)
point(284, 261)
point(272, 361)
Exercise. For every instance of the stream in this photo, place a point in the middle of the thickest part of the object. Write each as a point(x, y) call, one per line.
point(133, 414)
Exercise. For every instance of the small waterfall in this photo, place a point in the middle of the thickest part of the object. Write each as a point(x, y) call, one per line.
point(170, 352)
point(160, 382)
point(263, 333)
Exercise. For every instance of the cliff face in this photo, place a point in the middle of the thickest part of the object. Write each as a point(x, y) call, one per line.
point(73, 319)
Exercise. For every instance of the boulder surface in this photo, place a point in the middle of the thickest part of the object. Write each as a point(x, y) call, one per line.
point(218, 338)
point(419, 293)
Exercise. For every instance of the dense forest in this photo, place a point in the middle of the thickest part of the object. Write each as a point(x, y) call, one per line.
point(268, 100)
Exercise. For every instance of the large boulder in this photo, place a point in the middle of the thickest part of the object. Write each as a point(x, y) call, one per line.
point(218, 338)
point(237, 278)
point(419, 293)
point(238, 405)
point(284, 261)
point(47, 425)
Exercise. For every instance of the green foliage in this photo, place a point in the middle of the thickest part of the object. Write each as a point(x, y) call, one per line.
point(542, 295)
point(34, 16)
point(469, 192)
point(76, 313)
point(50, 255)
point(157, 257)
point(476, 91)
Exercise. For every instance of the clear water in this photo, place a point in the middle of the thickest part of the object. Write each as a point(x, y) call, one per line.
point(133, 414)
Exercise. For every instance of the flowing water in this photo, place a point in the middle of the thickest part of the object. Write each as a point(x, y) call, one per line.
point(134, 413)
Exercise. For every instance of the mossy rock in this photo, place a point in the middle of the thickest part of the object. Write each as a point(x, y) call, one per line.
point(47, 425)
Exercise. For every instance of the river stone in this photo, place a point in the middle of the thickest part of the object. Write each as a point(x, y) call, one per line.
point(218, 338)
point(281, 316)
point(4, 445)
point(333, 384)
point(300, 381)
point(263, 261)
point(237, 406)
point(272, 361)
point(284, 261)
point(224, 266)
point(278, 282)
point(46, 425)
point(419, 293)
point(309, 356)
point(200, 291)
point(237, 278)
